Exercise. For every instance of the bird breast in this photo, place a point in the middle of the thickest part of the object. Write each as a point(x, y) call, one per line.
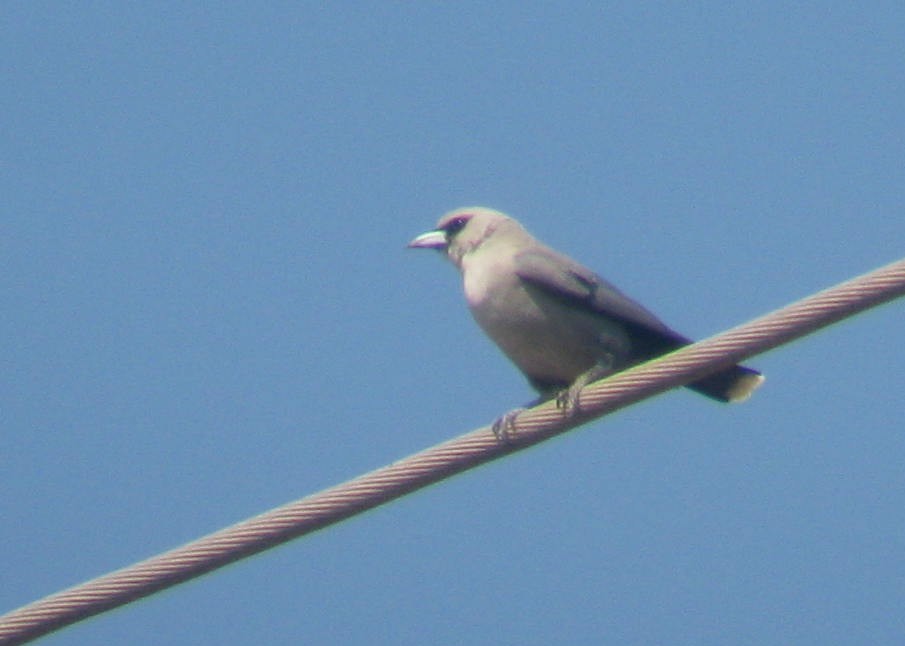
point(545, 339)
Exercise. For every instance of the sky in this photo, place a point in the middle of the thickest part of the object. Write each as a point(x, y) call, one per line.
point(207, 310)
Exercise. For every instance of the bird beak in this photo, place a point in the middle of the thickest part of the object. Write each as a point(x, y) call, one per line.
point(430, 240)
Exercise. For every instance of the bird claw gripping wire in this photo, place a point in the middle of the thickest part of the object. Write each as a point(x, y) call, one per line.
point(504, 426)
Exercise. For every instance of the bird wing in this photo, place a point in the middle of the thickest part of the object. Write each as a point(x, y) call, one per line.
point(563, 278)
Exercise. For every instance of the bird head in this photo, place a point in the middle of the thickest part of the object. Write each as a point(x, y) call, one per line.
point(463, 231)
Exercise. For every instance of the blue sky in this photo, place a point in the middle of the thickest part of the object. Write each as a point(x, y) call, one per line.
point(208, 311)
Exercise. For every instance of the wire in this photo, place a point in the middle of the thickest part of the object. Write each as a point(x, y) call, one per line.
point(449, 458)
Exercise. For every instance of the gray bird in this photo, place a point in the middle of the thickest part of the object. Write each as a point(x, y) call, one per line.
point(561, 324)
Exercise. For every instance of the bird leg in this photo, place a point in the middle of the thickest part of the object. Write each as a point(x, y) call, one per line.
point(567, 400)
point(503, 427)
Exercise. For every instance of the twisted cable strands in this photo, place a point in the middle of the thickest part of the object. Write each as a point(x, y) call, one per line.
point(443, 460)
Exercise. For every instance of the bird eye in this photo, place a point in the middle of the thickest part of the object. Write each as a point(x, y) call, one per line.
point(455, 225)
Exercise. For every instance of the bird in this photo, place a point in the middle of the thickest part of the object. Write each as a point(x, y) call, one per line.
point(560, 323)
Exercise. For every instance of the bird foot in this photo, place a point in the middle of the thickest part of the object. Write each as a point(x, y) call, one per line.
point(567, 400)
point(504, 426)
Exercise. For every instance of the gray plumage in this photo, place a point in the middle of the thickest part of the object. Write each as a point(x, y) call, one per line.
point(561, 324)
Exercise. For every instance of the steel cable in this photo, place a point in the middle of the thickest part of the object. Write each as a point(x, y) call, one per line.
point(448, 458)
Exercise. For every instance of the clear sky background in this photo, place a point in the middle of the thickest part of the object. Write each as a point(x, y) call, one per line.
point(207, 311)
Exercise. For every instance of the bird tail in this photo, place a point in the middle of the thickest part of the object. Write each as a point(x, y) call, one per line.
point(735, 384)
